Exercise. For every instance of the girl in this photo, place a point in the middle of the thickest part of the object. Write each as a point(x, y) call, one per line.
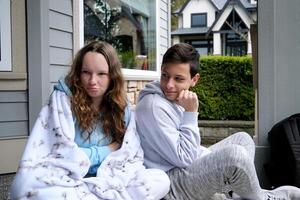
point(84, 144)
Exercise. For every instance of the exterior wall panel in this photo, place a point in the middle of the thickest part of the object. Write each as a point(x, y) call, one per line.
point(14, 117)
point(61, 39)
point(198, 7)
point(60, 21)
point(164, 28)
point(59, 56)
point(62, 6)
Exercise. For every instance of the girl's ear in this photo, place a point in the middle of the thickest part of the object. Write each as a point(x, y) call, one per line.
point(195, 79)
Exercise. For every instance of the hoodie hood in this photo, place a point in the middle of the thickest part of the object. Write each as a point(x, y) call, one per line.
point(151, 88)
point(62, 86)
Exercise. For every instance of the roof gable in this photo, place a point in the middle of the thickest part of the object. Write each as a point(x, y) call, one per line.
point(218, 4)
point(221, 3)
point(228, 7)
point(181, 9)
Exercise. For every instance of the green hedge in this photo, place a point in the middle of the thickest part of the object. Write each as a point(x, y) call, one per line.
point(225, 89)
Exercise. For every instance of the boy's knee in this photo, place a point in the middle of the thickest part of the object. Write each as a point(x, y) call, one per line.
point(235, 155)
point(245, 136)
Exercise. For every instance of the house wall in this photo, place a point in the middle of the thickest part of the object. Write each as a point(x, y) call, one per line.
point(198, 6)
point(60, 39)
point(164, 23)
point(278, 63)
point(278, 69)
point(13, 94)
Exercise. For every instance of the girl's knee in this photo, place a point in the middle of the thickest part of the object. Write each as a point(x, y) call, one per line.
point(159, 181)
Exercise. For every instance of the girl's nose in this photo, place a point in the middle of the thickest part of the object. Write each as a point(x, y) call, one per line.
point(92, 79)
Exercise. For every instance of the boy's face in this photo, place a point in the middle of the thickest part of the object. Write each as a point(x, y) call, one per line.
point(176, 77)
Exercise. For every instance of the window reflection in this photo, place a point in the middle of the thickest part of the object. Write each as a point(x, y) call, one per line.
point(128, 25)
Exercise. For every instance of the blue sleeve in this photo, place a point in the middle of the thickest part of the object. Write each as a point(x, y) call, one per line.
point(96, 155)
point(62, 86)
point(127, 115)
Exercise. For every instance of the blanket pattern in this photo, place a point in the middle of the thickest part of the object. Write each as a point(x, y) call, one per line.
point(53, 167)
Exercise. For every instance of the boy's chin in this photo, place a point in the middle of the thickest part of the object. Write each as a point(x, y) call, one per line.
point(171, 98)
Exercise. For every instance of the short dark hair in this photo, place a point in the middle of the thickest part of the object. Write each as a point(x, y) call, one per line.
point(183, 53)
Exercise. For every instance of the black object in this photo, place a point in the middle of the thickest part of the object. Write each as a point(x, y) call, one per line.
point(284, 165)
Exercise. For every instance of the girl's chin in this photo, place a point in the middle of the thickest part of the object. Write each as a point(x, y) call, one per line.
point(94, 95)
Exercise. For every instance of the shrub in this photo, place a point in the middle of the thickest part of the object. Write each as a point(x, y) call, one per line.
point(225, 89)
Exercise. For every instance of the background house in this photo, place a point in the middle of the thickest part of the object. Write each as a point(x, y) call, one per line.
point(219, 27)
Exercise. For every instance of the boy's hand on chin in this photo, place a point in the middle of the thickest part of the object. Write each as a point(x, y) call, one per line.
point(188, 100)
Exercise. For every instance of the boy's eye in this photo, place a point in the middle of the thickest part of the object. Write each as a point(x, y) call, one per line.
point(164, 75)
point(179, 79)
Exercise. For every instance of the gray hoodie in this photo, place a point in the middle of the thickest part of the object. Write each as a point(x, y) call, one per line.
point(169, 135)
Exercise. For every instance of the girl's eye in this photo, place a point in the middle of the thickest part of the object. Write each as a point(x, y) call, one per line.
point(84, 72)
point(102, 74)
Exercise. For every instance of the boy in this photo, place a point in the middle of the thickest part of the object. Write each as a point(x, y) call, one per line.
point(167, 122)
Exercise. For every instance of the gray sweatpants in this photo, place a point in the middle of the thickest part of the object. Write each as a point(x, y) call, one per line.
point(229, 167)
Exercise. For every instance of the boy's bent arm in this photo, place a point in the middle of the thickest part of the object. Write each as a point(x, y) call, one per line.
point(175, 138)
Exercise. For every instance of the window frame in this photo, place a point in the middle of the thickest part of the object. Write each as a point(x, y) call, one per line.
point(5, 36)
point(233, 43)
point(129, 74)
point(207, 43)
point(200, 14)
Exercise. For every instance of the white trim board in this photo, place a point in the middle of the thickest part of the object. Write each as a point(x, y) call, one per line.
point(5, 36)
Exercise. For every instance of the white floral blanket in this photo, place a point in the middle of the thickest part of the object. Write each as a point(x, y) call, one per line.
point(53, 167)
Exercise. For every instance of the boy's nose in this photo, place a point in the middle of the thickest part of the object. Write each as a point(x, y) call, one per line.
point(170, 83)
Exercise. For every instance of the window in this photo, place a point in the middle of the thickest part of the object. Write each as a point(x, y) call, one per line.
point(126, 24)
point(199, 20)
point(235, 45)
point(204, 47)
point(5, 36)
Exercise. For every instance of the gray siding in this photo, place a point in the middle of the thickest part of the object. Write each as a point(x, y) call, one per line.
point(13, 94)
point(50, 40)
point(14, 114)
point(164, 27)
point(60, 39)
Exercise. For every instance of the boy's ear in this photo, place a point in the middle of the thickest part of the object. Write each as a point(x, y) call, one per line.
point(195, 79)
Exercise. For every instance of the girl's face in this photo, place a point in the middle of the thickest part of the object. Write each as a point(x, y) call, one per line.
point(95, 76)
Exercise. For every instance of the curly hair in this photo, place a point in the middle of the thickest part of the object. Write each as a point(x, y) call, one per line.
point(113, 104)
